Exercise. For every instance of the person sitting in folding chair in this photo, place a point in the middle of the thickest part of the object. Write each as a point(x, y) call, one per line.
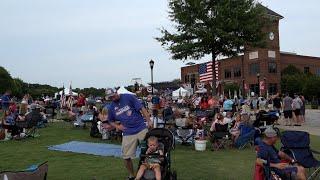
point(269, 154)
point(219, 132)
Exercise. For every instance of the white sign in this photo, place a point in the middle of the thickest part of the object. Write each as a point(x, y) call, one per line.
point(254, 55)
point(271, 54)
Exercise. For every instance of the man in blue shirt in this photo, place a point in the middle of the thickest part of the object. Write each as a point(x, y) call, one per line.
point(5, 100)
point(130, 112)
point(269, 154)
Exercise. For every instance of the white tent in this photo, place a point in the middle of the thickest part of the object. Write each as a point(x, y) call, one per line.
point(123, 90)
point(66, 92)
point(180, 92)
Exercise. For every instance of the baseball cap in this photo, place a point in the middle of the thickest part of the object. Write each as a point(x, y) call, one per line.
point(270, 132)
point(110, 92)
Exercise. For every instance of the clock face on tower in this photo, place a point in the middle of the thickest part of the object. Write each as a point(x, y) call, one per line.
point(271, 36)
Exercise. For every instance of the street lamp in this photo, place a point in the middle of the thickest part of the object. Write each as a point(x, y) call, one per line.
point(258, 77)
point(151, 62)
point(265, 85)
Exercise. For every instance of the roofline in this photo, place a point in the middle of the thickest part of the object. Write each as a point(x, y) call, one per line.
point(293, 54)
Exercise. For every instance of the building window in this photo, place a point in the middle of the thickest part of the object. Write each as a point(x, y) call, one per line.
point(306, 70)
point(237, 72)
point(227, 73)
point(254, 68)
point(272, 67)
point(272, 88)
point(318, 72)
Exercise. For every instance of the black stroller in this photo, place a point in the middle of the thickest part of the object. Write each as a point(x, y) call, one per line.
point(264, 118)
point(166, 140)
point(297, 145)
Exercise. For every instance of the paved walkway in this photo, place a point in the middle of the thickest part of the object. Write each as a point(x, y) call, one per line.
point(312, 124)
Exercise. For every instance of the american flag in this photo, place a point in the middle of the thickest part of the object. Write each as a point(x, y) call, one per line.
point(206, 72)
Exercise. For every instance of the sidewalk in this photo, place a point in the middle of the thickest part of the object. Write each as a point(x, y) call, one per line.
point(312, 124)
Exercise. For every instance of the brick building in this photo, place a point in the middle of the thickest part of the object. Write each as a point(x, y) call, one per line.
point(257, 65)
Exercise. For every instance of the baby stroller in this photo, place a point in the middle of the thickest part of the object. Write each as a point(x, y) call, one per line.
point(264, 118)
point(166, 140)
point(297, 145)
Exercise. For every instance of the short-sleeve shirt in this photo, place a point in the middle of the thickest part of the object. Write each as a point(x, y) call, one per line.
point(277, 102)
point(268, 153)
point(127, 111)
point(227, 104)
point(287, 103)
point(5, 101)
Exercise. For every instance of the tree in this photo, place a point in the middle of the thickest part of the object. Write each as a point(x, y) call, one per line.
point(292, 83)
point(216, 27)
point(290, 70)
point(232, 87)
point(311, 87)
point(6, 82)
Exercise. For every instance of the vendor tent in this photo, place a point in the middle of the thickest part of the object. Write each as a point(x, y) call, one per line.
point(180, 92)
point(123, 90)
point(67, 92)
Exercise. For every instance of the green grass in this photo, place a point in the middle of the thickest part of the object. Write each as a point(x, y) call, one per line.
point(189, 164)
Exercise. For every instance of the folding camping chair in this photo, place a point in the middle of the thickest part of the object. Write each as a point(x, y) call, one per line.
point(38, 172)
point(221, 137)
point(31, 123)
point(297, 145)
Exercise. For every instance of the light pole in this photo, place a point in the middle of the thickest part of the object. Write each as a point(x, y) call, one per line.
point(265, 86)
point(258, 77)
point(151, 62)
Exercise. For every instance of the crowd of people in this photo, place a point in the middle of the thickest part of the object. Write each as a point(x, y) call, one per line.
point(131, 117)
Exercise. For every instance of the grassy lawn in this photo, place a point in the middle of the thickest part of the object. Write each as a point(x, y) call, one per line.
point(189, 164)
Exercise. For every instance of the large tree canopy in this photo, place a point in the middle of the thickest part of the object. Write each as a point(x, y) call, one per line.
point(217, 27)
point(6, 82)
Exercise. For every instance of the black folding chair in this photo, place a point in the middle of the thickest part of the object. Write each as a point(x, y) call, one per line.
point(297, 145)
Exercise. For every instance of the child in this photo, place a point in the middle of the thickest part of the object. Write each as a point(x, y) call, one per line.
point(152, 162)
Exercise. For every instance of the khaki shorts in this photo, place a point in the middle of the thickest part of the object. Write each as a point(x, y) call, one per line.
point(130, 143)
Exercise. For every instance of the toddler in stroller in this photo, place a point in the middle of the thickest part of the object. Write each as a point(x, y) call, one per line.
point(156, 157)
point(153, 159)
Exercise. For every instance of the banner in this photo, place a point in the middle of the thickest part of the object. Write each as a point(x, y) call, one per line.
point(246, 87)
point(262, 85)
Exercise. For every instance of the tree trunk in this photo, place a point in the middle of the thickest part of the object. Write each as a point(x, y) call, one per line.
point(214, 90)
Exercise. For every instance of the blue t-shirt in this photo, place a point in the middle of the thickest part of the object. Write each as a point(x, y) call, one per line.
point(5, 102)
point(127, 111)
point(269, 153)
point(155, 100)
point(227, 105)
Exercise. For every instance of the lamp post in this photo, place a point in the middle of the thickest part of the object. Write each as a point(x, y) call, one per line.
point(151, 62)
point(258, 77)
point(243, 88)
point(265, 85)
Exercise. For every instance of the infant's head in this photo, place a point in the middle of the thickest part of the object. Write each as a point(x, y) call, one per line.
point(153, 142)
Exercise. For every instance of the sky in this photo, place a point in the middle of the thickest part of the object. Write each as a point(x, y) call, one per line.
point(107, 43)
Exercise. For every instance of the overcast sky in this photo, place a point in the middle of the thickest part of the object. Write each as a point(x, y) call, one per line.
point(105, 43)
